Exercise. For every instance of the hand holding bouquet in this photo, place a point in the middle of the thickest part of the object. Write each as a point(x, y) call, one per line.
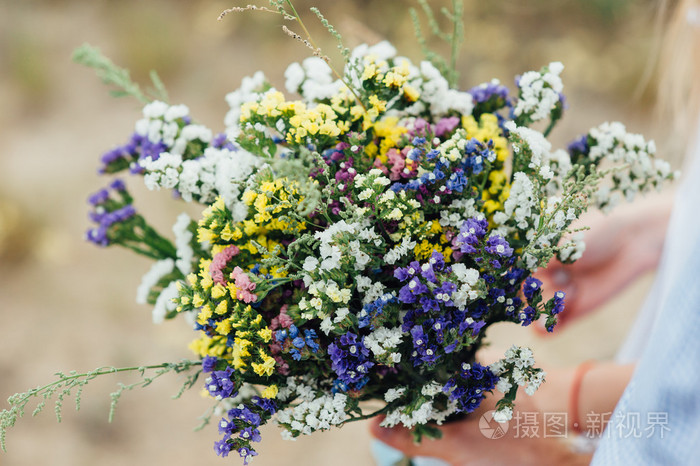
point(357, 241)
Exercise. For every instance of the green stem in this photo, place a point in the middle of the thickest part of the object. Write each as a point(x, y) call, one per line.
point(549, 129)
point(311, 41)
point(456, 39)
point(178, 367)
point(370, 415)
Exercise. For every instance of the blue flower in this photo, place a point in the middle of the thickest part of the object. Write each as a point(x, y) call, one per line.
point(469, 386)
point(470, 233)
point(208, 363)
point(220, 385)
point(350, 360)
point(489, 91)
point(531, 287)
point(250, 434)
point(409, 292)
point(526, 316)
point(223, 447)
point(267, 404)
point(579, 147)
point(558, 302)
point(371, 310)
point(227, 426)
point(497, 245)
point(247, 453)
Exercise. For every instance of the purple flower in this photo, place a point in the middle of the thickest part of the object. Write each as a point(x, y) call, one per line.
point(469, 386)
point(437, 260)
point(208, 363)
point(558, 301)
point(227, 426)
point(98, 235)
point(220, 385)
point(471, 231)
point(408, 293)
point(247, 453)
point(497, 245)
point(531, 287)
point(428, 273)
point(118, 185)
point(401, 274)
point(513, 277)
point(221, 142)
point(350, 360)
point(526, 316)
point(487, 91)
point(579, 146)
point(250, 434)
point(223, 447)
point(100, 197)
point(245, 414)
point(108, 212)
point(265, 403)
point(429, 304)
point(446, 125)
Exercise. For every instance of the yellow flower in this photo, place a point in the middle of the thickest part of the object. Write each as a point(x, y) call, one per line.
point(265, 334)
point(205, 235)
point(223, 327)
point(218, 291)
point(204, 314)
point(197, 300)
point(410, 93)
point(270, 392)
point(266, 368)
point(227, 234)
point(221, 308)
point(369, 72)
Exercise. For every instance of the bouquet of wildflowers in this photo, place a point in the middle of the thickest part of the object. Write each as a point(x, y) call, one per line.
point(359, 234)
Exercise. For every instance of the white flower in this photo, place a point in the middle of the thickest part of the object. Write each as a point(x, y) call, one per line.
point(393, 394)
point(183, 237)
point(152, 277)
point(164, 302)
point(383, 339)
point(522, 201)
point(294, 76)
point(539, 92)
point(155, 109)
point(504, 385)
point(175, 112)
point(310, 264)
point(504, 414)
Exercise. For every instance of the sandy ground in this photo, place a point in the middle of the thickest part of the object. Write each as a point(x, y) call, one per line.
point(66, 305)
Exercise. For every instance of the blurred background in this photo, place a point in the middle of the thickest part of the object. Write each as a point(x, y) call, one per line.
point(65, 304)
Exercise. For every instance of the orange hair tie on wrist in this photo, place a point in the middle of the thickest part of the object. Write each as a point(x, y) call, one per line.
point(574, 395)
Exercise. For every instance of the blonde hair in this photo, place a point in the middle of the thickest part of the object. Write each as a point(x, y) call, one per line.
point(679, 63)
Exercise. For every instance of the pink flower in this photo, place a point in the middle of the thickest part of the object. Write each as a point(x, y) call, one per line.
point(398, 163)
point(243, 285)
point(219, 262)
point(446, 125)
point(282, 367)
point(378, 164)
point(282, 320)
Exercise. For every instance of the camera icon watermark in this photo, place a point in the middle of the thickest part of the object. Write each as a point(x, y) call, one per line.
point(490, 428)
